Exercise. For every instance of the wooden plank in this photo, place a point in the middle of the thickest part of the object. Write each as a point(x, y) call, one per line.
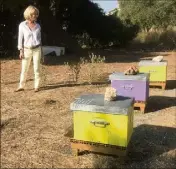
point(77, 146)
point(160, 84)
point(141, 105)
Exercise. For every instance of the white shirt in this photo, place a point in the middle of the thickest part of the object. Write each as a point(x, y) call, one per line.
point(28, 37)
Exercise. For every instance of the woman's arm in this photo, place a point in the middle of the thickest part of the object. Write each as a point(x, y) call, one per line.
point(40, 35)
point(20, 42)
point(20, 38)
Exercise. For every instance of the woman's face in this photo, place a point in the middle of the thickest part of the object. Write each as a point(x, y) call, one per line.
point(34, 16)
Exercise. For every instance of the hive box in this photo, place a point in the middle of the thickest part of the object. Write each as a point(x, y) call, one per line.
point(99, 121)
point(157, 70)
point(58, 50)
point(135, 86)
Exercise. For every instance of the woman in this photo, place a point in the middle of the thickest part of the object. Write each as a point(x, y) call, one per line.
point(29, 44)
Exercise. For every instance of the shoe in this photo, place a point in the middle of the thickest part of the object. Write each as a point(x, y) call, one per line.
point(36, 90)
point(19, 89)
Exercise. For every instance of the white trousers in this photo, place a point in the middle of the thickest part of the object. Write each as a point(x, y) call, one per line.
point(28, 55)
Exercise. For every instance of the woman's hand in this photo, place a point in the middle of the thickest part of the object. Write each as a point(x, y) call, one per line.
point(21, 56)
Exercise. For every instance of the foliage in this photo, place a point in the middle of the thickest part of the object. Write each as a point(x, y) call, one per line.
point(88, 23)
point(93, 72)
point(148, 13)
point(65, 20)
point(156, 39)
point(74, 69)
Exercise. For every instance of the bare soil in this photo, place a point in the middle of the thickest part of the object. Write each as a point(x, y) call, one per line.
point(34, 125)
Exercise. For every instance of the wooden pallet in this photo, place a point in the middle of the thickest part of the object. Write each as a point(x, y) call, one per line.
point(141, 105)
point(160, 84)
point(78, 145)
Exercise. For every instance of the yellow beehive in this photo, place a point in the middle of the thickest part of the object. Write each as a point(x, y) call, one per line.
point(99, 121)
point(157, 70)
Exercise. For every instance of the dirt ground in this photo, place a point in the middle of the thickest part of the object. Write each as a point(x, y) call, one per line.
point(33, 125)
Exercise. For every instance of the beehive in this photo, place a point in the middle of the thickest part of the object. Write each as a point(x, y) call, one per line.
point(135, 86)
point(157, 70)
point(99, 121)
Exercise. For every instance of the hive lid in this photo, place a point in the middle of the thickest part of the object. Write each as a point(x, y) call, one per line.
point(122, 76)
point(96, 103)
point(151, 63)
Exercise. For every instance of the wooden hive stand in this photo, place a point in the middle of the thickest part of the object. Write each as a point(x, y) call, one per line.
point(141, 105)
point(79, 145)
point(160, 84)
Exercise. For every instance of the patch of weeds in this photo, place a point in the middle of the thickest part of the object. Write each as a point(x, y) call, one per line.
point(92, 65)
point(74, 70)
point(93, 71)
point(5, 123)
point(137, 112)
point(49, 101)
point(43, 75)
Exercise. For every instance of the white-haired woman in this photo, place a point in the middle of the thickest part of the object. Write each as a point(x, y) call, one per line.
point(29, 44)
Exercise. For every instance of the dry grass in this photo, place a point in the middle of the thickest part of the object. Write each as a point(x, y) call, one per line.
point(160, 39)
point(33, 125)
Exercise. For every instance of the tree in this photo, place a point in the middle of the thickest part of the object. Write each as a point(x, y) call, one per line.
point(51, 27)
point(148, 13)
point(88, 22)
point(66, 22)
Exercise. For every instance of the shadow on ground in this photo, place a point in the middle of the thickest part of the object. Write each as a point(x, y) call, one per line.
point(125, 56)
point(4, 123)
point(156, 103)
point(72, 84)
point(147, 147)
point(171, 84)
point(15, 82)
point(111, 56)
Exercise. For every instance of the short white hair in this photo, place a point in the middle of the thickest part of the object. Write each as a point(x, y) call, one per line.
point(29, 11)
